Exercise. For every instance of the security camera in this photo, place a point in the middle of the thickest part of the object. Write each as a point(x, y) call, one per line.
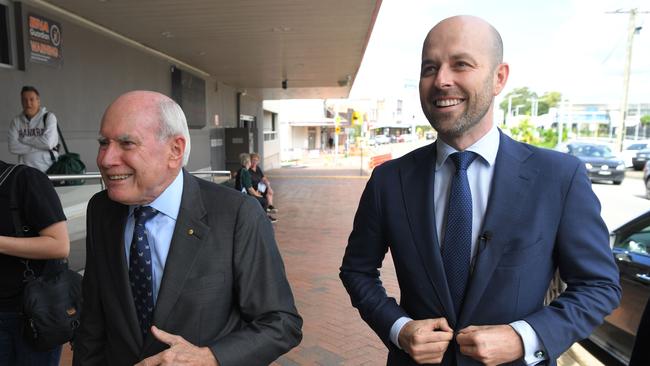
point(284, 84)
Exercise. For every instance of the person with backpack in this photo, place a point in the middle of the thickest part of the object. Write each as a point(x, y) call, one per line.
point(46, 237)
point(33, 135)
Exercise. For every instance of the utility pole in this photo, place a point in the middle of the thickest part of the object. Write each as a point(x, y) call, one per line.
point(620, 136)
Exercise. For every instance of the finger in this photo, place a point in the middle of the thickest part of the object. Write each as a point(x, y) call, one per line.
point(466, 338)
point(168, 338)
point(441, 324)
point(154, 360)
point(470, 329)
point(469, 350)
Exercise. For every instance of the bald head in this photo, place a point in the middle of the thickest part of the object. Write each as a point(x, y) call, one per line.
point(149, 105)
point(464, 26)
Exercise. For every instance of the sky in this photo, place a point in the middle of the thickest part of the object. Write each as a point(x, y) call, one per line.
point(571, 46)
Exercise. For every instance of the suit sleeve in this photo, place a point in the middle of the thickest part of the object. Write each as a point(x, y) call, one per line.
point(273, 325)
point(90, 337)
point(586, 265)
point(364, 254)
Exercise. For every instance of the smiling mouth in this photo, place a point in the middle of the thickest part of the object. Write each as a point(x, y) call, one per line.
point(442, 103)
point(118, 177)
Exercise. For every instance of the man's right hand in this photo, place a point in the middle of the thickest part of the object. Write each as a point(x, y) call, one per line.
point(426, 340)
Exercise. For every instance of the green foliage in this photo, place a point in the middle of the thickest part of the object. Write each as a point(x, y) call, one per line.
point(645, 120)
point(548, 101)
point(526, 132)
point(524, 97)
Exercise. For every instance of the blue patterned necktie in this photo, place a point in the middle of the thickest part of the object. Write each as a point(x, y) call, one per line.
point(457, 242)
point(140, 273)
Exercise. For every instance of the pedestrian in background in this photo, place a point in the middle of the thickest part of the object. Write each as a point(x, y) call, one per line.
point(33, 134)
point(477, 225)
point(261, 182)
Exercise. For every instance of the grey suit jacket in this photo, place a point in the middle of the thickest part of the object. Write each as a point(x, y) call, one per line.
point(223, 285)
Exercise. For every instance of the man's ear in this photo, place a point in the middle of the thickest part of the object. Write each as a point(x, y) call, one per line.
point(500, 77)
point(176, 150)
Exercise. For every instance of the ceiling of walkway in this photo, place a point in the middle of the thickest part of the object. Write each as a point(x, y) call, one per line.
point(315, 45)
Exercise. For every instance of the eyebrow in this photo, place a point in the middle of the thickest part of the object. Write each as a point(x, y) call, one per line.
point(455, 57)
point(121, 138)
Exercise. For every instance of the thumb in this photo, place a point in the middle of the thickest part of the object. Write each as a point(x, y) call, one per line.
point(165, 337)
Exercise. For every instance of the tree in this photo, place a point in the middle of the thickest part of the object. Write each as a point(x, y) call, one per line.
point(548, 101)
point(524, 97)
point(645, 120)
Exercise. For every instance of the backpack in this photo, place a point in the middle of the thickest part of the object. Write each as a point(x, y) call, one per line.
point(68, 163)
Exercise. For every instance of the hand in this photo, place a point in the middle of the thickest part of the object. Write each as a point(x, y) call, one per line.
point(491, 344)
point(426, 340)
point(180, 352)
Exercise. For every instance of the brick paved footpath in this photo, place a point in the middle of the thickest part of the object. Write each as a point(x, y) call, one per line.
point(316, 210)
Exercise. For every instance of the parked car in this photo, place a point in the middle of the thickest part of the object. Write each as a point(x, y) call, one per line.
point(631, 250)
point(382, 139)
point(600, 162)
point(630, 152)
point(646, 179)
point(430, 135)
point(639, 160)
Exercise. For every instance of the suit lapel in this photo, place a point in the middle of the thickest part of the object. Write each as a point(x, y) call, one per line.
point(190, 234)
point(417, 182)
point(114, 231)
point(510, 183)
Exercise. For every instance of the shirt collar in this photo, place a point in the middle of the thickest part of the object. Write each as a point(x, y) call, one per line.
point(169, 201)
point(486, 147)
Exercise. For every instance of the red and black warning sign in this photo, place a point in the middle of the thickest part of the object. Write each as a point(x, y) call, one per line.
point(45, 40)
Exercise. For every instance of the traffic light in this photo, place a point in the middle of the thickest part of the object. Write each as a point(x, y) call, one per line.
point(356, 118)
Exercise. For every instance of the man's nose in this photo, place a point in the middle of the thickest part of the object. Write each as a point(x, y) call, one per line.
point(443, 77)
point(108, 156)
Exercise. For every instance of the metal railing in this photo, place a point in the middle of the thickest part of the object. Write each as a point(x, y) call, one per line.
point(96, 175)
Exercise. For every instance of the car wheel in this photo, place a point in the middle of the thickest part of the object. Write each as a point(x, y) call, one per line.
point(618, 182)
point(647, 189)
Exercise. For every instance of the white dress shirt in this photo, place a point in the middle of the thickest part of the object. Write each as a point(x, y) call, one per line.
point(479, 175)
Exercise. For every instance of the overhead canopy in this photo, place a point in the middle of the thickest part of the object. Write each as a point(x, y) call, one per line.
point(316, 46)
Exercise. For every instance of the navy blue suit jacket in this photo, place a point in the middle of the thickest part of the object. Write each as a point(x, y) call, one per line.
point(542, 214)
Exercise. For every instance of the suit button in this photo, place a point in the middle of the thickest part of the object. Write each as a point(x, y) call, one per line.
point(190, 232)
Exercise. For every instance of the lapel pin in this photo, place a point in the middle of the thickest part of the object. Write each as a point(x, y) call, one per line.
point(190, 232)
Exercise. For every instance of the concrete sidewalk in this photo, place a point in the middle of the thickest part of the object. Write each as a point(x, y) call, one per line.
point(316, 210)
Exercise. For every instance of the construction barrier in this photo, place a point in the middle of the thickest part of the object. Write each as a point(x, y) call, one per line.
point(377, 160)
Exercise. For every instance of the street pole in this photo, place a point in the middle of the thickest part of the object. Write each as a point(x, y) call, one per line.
point(620, 137)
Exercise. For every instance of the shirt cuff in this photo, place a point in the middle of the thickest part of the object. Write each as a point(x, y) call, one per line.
point(396, 328)
point(534, 351)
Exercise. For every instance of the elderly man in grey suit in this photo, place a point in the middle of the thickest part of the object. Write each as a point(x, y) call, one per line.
point(178, 270)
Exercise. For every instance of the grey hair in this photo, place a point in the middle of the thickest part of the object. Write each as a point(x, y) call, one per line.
point(173, 123)
point(244, 158)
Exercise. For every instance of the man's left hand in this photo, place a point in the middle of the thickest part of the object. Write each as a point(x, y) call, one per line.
point(490, 344)
point(180, 352)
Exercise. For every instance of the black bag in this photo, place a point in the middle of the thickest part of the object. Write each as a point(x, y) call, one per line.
point(51, 306)
point(52, 301)
point(68, 163)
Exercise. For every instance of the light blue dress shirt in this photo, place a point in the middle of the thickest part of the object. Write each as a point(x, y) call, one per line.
point(160, 229)
point(479, 174)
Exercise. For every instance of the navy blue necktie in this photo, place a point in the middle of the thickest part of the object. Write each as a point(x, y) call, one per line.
point(457, 242)
point(140, 273)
